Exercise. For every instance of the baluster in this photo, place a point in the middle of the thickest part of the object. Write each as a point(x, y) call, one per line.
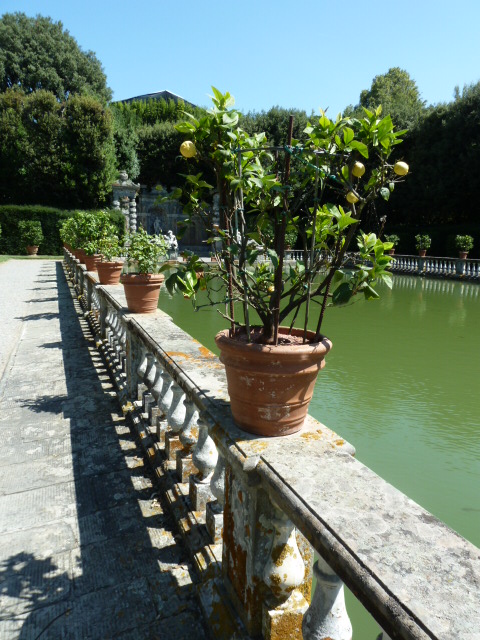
point(164, 402)
point(188, 437)
point(141, 372)
point(214, 509)
point(147, 398)
point(327, 616)
point(156, 390)
point(175, 420)
point(204, 457)
point(283, 573)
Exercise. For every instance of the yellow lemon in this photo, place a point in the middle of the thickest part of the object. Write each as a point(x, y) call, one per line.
point(351, 197)
point(401, 168)
point(271, 289)
point(187, 149)
point(358, 169)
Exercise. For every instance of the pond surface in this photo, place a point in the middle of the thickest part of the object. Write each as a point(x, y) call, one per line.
point(402, 384)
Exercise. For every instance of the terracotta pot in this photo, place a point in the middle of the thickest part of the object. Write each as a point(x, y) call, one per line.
point(463, 255)
point(109, 272)
point(80, 255)
point(142, 291)
point(32, 250)
point(91, 262)
point(390, 252)
point(271, 387)
point(422, 253)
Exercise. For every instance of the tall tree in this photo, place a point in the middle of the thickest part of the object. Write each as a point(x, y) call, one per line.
point(37, 53)
point(399, 96)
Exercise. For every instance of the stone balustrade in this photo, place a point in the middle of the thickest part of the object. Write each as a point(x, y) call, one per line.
point(433, 266)
point(263, 516)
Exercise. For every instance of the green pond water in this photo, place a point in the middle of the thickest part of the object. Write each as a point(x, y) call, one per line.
point(402, 384)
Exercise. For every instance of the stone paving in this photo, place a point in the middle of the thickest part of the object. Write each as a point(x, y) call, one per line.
point(86, 549)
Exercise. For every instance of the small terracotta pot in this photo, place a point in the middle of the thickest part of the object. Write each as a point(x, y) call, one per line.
point(463, 255)
point(109, 272)
point(422, 253)
point(32, 250)
point(390, 252)
point(91, 262)
point(142, 291)
point(270, 386)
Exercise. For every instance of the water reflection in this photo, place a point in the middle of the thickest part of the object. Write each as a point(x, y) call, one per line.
point(402, 384)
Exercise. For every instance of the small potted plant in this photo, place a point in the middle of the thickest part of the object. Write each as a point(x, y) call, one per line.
point(142, 286)
point(318, 187)
point(463, 244)
point(422, 243)
point(31, 235)
point(110, 266)
point(394, 240)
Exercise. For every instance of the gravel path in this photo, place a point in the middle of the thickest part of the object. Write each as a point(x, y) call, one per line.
point(87, 551)
point(18, 284)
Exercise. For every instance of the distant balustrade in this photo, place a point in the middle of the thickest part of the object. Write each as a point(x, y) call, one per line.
point(255, 511)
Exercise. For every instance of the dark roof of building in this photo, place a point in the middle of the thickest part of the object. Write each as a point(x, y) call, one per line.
point(159, 95)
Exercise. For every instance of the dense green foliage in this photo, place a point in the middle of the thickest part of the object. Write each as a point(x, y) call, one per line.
point(274, 123)
point(51, 220)
point(399, 96)
point(55, 152)
point(444, 156)
point(37, 53)
point(146, 141)
point(30, 232)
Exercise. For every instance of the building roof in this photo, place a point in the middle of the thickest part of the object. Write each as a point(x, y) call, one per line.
point(159, 95)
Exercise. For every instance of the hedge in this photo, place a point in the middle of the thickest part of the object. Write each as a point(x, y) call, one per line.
point(51, 219)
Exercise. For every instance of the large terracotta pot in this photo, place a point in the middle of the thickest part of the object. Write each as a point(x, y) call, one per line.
point(91, 262)
point(109, 272)
point(32, 250)
point(390, 252)
point(463, 255)
point(270, 387)
point(142, 291)
point(422, 253)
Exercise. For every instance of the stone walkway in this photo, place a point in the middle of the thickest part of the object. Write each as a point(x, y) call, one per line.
point(86, 550)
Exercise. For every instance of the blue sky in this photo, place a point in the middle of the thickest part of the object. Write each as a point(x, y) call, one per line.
point(305, 53)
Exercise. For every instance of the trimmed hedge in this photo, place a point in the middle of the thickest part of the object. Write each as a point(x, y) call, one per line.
point(51, 220)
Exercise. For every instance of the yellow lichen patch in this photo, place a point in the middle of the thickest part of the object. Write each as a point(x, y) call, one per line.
point(255, 445)
point(206, 353)
point(339, 443)
point(280, 553)
point(311, 436)
point(128, 406)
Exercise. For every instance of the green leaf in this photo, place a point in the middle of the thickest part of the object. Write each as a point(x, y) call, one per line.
point(385, 193)
point(360, 147)
point(273, 257)
point(185, 127)
point(370, 293)
point(342, 294)
point(348, 135)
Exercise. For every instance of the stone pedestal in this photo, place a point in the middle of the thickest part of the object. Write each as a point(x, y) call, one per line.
point(185, 466)
point(285, 620)
point(200, 493)
point(172, 445)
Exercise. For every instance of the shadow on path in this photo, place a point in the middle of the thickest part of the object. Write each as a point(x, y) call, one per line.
point(92, 554)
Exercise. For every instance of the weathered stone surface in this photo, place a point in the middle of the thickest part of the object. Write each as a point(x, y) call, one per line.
point(86, 549)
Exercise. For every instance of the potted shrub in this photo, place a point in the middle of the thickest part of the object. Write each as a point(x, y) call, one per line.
point(422, 243)
point(31, 235)
point(142, 287)
point(110, 266)
point(394, 240)
point(319, 187)
point(463, 244)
